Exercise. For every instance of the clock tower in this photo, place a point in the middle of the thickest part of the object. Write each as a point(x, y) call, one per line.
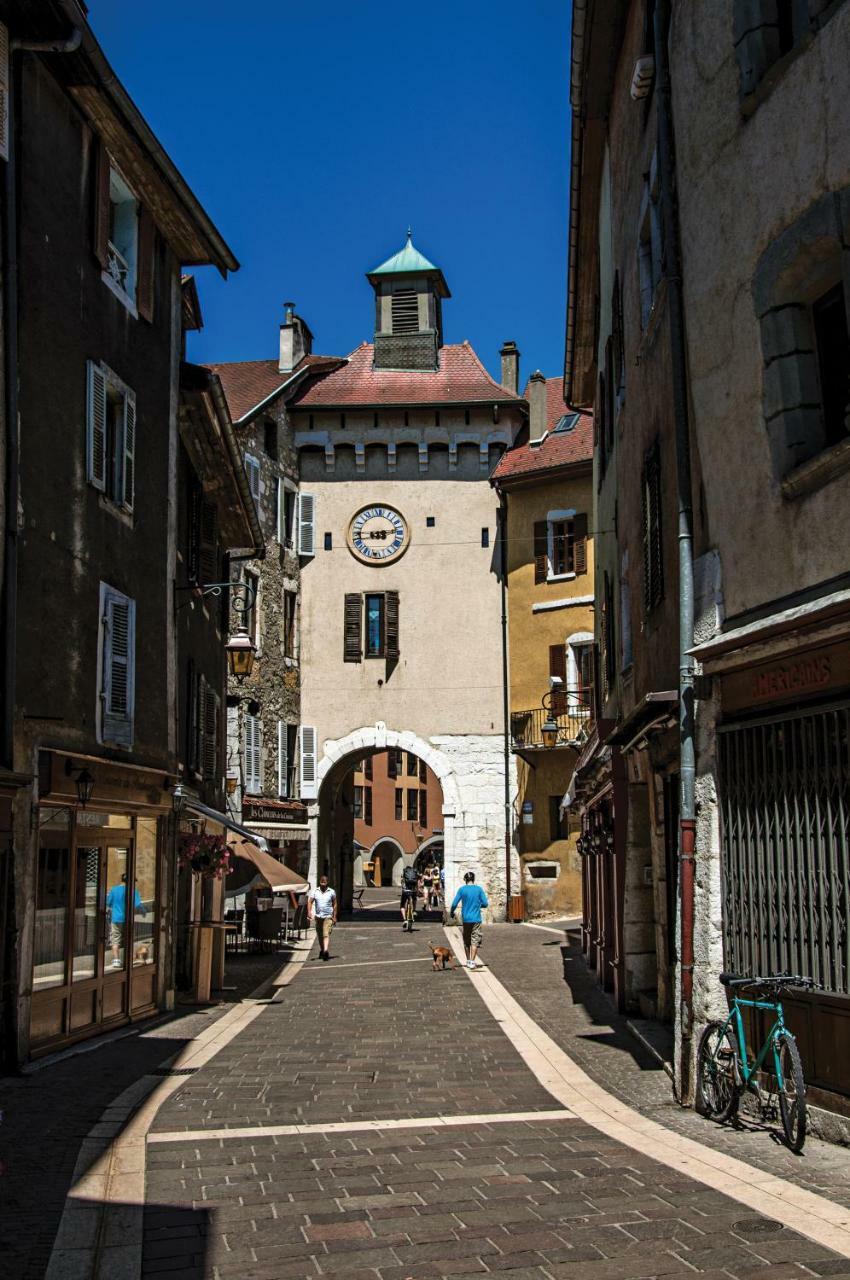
point(409, 291)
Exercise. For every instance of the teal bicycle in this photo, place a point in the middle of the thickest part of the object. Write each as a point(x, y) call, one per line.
point(775, 1074)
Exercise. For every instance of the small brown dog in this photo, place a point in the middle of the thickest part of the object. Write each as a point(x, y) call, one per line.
point(442, 956)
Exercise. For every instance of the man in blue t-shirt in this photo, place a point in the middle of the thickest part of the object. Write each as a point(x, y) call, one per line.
point(116, 905)
point(471, 898)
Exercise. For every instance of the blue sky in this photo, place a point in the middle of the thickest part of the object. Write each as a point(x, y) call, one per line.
point(313, 134)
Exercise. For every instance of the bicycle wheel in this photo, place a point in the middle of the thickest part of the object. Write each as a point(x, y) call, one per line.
point(791, 1087)
point(718, 1073)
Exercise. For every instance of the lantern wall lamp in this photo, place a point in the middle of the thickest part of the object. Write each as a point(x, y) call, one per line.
point(240, 648)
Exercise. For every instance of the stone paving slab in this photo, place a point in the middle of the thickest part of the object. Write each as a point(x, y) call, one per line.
point(543, 1198)
point(547, 975)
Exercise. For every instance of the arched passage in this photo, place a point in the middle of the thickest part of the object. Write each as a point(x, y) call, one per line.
point(391, 856)
point(333, 770)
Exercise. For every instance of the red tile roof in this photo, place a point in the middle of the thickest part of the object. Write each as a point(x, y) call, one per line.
point(559, 450)
point(246, 383)
point(461, 378)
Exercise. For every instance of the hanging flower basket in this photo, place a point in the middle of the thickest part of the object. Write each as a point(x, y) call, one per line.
point(208, 856)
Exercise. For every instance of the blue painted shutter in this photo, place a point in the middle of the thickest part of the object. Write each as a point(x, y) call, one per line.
point(119, 676)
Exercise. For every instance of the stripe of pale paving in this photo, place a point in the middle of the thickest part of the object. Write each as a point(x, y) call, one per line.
point(365, 964)
point(812, 1215)
point(100, 1232)
point(357, 1126)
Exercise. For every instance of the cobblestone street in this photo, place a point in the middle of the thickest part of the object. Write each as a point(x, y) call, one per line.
point(375, 1122)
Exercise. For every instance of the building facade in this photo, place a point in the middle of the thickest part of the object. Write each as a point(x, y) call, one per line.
point(545, 484)
point(398, 815)
point(104, 222)
point(400, 592)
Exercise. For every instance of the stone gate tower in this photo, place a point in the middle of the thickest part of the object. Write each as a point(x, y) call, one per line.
point(400, 629)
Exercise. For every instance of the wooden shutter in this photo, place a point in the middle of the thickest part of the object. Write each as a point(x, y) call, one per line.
point(558, 667)
point(208, 543)
point(541, 550)
point(306, 524)
point(129, 468)
point(282, 759)
point(192, 694)
point(253, 754)
point(4, 91)
point(352, 627)
point(101, 205)
point(391, 624)
point(309, 779)
point(96, 427)
point(118, 677)
point(146, 259)
point(580, 544)
point(209, 734)
point(367, 806)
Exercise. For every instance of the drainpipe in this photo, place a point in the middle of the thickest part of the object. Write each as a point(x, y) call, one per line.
point(503, 546)
point(687, 768)
point(10, 317)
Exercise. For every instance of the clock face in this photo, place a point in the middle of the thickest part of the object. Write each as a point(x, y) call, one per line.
point(378, 535)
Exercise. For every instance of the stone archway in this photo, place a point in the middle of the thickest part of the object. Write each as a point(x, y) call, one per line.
point(392, 863)
point(336, 759)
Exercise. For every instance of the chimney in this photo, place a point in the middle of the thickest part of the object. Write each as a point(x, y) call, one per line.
point(536, 405)
point(296, 340)
point(510, 367)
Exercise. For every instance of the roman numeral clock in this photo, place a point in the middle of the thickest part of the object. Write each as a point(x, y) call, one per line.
point(378, 535)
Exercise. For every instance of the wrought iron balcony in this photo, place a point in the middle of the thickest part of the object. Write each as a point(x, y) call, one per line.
point(572, 715)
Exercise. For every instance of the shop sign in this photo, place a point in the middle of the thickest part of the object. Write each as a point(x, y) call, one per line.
point(795, 678)
point(258, 812)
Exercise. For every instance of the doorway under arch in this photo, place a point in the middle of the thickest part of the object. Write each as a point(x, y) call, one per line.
point(391, 856)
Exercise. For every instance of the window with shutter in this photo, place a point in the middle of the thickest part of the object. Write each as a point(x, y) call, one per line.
point(290, 602)
point(4, 91)
point(192, 683)
point(253, 755)
point(392, 648)
point(558, 669)
point(282, 759)
point(375, 617)
point(412, 805)
point(352, 627)
point(96, 433)
point(208, 543)
point(129, 447)
point(357, 803)
point(541, 550)
point(309, 775)
point(210, 734)
point(306, 524)
point(117, 691)
point(580, 544)
point(252, 471)
point(562, 548)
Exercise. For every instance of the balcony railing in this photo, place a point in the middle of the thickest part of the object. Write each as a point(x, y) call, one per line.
point(574, 720)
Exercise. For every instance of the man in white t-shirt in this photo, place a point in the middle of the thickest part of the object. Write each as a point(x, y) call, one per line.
point(321, 908)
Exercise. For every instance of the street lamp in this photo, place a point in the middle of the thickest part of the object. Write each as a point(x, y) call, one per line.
point(84, 782)
point(550, 731)
point(240, 648)
point(550, 728)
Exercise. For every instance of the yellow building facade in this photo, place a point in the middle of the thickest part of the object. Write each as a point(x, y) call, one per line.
point(545, 485)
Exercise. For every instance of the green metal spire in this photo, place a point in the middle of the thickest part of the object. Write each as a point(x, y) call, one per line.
point(407, 260)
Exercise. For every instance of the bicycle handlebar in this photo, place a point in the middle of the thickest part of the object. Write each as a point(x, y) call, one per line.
point(774, 980)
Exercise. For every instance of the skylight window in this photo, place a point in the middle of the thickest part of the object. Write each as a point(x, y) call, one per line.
point(567, 423)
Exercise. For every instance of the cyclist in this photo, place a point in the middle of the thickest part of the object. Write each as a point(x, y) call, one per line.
point(409, 888)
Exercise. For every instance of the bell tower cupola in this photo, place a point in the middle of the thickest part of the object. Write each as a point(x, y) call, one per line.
point(409, 292)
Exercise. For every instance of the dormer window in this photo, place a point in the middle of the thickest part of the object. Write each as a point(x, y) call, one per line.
point(405, 311)
point(124, 239)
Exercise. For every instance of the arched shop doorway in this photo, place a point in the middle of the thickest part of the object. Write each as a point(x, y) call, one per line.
point(378, 774)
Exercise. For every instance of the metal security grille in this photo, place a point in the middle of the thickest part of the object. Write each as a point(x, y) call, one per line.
point(786, 845)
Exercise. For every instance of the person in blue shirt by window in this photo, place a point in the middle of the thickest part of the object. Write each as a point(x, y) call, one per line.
point(116, 905)
point(471, 898)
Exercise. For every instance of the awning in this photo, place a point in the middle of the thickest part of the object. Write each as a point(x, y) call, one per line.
point(278, 877)
point(223, 819)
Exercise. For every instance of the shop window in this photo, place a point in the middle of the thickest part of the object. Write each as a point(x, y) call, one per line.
point(116, 695)
point(51, 916)
point(111, 436)
point(559, 824)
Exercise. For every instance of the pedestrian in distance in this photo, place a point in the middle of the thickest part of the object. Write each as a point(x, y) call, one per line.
point(116, 906)
point(322, 909)
point(471, 898)
point(409, 891)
